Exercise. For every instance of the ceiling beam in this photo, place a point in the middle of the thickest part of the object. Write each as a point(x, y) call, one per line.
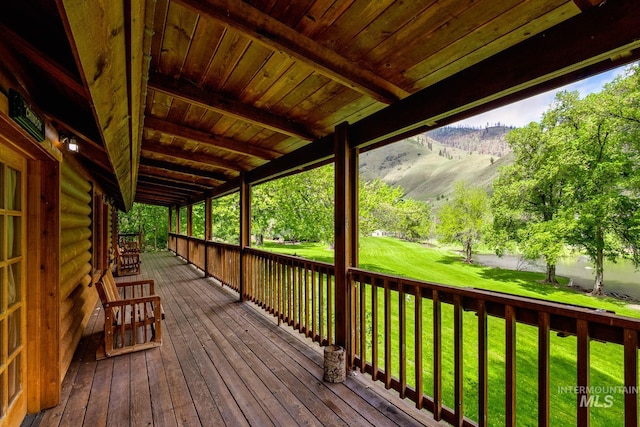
point(156, 197)
point(172, 190)
point(194, 95)
point(275, 35)
point(160, 164)
point(177, 153)
point(167, 183)
point(43, 61)
point(208, 139)
point(178, 176)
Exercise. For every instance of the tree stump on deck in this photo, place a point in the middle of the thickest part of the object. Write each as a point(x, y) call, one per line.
point(334, 364)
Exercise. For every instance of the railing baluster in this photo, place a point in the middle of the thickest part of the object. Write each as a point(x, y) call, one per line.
point(269, 284)
point(403, 339)
point(510, 368)
point(458, 393)
point(374, 330)
point(306, 300)
point(300, 289)
point(418, 345)
point(483, 362)
point(330, 302)
point(544, 323)
point(582, 327)
point(355, 328)
point(387, 334)
point(363, 325)
point(314, 304)
point(321, 305)
point(279, 275)
point(289, 286)
point(437, 356)
point(630, 377)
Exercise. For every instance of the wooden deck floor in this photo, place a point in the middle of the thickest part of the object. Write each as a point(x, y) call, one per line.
point(221, 363)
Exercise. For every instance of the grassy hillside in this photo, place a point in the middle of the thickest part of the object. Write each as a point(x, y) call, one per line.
point(427, 168)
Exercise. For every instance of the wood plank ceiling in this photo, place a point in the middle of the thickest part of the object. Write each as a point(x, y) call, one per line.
point(175, 99)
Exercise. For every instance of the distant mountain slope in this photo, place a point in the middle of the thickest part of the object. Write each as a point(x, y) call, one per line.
point(489, 140)
point(428, 165)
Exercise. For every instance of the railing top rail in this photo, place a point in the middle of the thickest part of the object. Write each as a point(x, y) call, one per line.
point(291, 258)
point(203, 241)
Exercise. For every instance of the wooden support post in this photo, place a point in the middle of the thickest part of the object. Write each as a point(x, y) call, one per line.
point(189, 220)
point(345, 223)
point(207, 233)
point(114, 228)
point(177, 220)
point(245, 228)
point(189, 230)
point(207, 219)
point(43, 300)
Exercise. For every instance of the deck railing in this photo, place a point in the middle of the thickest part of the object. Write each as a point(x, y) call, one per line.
point(392, 308)
point(298, 292)
point(218, 260)
point(441, 346)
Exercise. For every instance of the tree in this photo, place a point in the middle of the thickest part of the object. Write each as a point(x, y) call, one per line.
point(464, 218)
point(151, 220)
point(225, 218)
point(377, 203)
point(296, 207)
point(385, 207)
point(529, 195)
point(197, 220)
point(603, 165)
point(412, 219)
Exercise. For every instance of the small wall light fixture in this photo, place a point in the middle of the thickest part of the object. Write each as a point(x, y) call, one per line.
point(70, 141)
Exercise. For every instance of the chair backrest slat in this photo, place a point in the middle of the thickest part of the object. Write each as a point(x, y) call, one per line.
point(108, 291)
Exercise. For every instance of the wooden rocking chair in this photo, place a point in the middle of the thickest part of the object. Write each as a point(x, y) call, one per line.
point(132, 315)
point(127, 262)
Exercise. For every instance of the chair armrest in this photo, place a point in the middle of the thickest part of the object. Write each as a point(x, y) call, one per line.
point(136, 300)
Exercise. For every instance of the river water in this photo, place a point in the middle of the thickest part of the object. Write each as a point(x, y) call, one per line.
point(621, 277)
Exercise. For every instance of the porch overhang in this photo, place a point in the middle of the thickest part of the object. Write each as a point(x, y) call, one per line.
point(164, 93)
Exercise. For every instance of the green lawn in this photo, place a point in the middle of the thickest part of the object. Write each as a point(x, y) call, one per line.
point(391, 256)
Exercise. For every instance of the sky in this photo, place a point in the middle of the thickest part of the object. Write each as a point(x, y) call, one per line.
point(531, 109)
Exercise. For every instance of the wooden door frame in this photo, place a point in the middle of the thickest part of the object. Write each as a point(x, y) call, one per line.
point(42, 259)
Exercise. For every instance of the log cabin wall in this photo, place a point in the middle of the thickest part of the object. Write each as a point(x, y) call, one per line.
point(77, 298)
